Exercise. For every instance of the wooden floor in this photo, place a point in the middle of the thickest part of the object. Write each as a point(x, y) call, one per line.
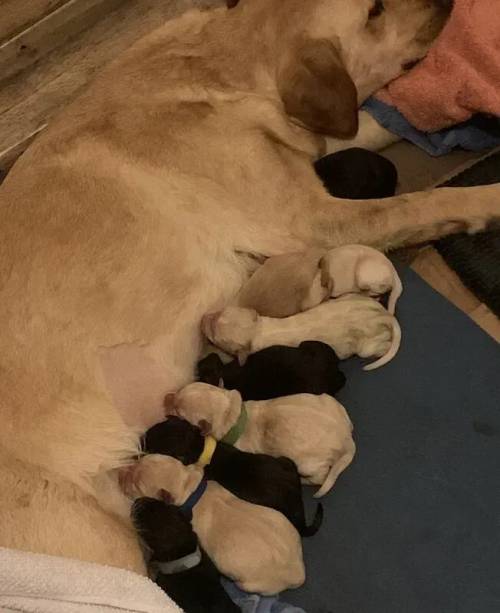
point(46, 60)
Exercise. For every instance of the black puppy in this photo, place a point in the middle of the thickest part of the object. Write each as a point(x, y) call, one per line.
point(310, 368)
point(256, 478)
point(169, 535)
point(357, 174)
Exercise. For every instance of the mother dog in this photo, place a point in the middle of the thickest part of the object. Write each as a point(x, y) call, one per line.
point(146, 204)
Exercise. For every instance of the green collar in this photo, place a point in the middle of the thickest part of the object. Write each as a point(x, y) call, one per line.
point(239, 427)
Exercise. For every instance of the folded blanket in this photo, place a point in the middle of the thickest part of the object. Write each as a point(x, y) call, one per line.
point(254, 603)
point(461, 74)
point(37, 583)
point(480, 133)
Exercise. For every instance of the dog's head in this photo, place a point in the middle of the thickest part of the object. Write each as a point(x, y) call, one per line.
point(165, 530)
point(232, 329)
point(161, 477)
point(213, 409)
point(175, 437)
point(210, 369)
point(330, 55)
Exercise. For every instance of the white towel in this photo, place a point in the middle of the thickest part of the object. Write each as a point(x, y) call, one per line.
point(37, 583)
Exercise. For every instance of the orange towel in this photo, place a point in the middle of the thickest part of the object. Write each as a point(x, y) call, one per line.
point(460, 75)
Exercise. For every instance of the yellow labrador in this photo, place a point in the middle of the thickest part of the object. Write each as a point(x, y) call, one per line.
point(352, 325)
point(312, 430)
point(288, 284)
point(140, 209)
point(255, 546)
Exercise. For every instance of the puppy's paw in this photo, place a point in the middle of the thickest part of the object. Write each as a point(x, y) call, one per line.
point(376, 341)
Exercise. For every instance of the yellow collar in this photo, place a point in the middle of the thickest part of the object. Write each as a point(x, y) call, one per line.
point(208, 452)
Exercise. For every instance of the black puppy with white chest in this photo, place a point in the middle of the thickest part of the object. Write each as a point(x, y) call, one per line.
point(184, 571)
point(310, 368)
point(256, 478)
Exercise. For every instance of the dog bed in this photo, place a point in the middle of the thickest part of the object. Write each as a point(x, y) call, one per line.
point(476, 258)
point(413, 525)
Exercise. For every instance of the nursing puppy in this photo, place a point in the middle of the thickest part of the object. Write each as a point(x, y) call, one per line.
point(276, 371)
point(255, 546)
point(286, 284)
point(183, 570)
point(358, 268)
point(256, 478)
point(313, 431)
point(351, 325)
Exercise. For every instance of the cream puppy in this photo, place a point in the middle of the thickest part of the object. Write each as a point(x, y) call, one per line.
point(255, 546)
point(351, 325)
point(286, 284)
point(312, 430)
point(358, 268)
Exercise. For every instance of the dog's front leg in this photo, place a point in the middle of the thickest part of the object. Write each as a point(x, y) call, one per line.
point(399, 221)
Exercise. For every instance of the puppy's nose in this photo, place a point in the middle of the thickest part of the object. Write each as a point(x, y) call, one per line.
point(208, 323)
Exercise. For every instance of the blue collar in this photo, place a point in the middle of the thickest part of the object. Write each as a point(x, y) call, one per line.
point(188, 506)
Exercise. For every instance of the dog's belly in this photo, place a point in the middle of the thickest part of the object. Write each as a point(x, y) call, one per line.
point(137, 376)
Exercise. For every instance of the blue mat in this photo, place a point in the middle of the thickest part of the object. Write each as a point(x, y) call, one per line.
point(413, 526)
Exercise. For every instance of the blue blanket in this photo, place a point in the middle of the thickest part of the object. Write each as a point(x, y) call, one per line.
point(253, 603)
point(478, 134)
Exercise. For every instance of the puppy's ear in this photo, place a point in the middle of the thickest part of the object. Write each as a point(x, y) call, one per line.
point(205, 427)
point(326, 279)
point(169, 404)
point(317, 90)
point(231, 3)
point(165, 496)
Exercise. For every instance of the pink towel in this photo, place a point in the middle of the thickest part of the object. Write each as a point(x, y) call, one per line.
point(461, 74)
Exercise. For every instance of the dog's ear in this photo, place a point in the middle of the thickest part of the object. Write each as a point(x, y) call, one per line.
point(169, 404)
point(326, 279)
point(231, 3)
point(317, 90)
point(205, 427)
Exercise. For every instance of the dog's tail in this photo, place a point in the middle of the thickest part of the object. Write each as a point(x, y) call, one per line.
point(316, 523)
point(336, 469)
point(393, 349)
point(396, 291)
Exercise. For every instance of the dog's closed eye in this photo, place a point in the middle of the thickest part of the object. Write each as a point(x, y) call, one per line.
point(376, 10)
point(409, 65)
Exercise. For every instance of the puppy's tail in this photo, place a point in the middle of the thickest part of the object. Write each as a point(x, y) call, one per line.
point(396, 291)
point(393, 349)
point(336, 469)
point(316, 523)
